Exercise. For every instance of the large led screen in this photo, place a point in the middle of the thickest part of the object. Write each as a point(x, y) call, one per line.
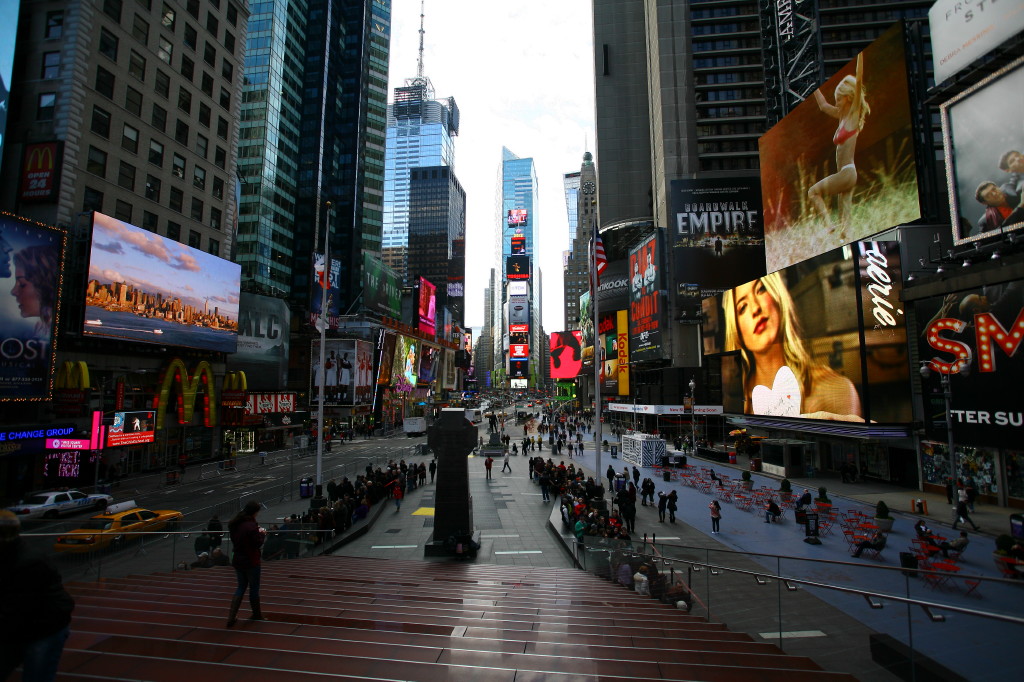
point(385, 357)
point(347, 372)
point(984, 143)
point(131, 428)
point(382, 288)
point(406, 364)
point(716, 237)
point(517, 216)
point(646, 307)
point(427, 307)
point(566, 354)
point(31, 256)
point(961, 32)
point(148, 288)
point(840, 166)
point(430, 357)
point(263, 334)
point(975, 338)
point(517, 267)
point(824, 339)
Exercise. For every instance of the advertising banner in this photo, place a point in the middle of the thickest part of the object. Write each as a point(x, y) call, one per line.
point(519, 350)
point(31, 258)
point(131, 428)
point(269, 403)
point(587, 329)
point(263, 331)
point(427, 307)
point(518, 310)
point(608, 342)
point(517, 267)
point(517, 217)
point(40, 172)
point(974, 337)
point(566, 354)
point(840, 166)
point(406, 364)
point(347, 372)
point(518, 244)
point(449, 370)
point(985, 156)
point(429, 358)
point(646, 307)
point(716, 237)
point(518, 369)
point(382, 290)
point(329, 278)
point(962, 32)
point(622, 347)
point(518, 289)
point(825, 339)
point(385, 355)
point(147, 288)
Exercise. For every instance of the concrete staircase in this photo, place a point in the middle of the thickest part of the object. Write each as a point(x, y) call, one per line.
point(376, 619)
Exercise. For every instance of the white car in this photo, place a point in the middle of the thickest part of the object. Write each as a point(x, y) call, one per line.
point(50, 505)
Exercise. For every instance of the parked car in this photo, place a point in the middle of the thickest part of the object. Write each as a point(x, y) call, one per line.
point(121, 521)
point(54, 503)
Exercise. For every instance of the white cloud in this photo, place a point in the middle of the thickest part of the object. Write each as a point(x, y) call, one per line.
point(522, 76)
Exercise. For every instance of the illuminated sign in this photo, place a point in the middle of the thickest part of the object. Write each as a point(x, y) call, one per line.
point(566, 354)
point(67, 444)
point(517, 217)
point(37, 432)
point(188, 389)
point(518, 245)
point(518, 289)
point(646, 308)
point(517, 267)
point(131, 428)
point(519, 329)
point(427, 307)
point(519, 350)
point(40, 171)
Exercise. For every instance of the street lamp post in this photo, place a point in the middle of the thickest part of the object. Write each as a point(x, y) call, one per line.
point(947, 395)
point(321, 325)
point(693, 417)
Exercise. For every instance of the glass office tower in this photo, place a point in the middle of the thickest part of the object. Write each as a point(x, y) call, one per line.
point(518, 244)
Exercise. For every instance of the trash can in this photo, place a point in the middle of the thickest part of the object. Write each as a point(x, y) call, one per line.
point(811, 525)
point(615, 451)
point(755, 463)
point(908, 561)
point(306, 487)
point(667, 476)
point(732, 458)
point(919, 506)
point(620, 482)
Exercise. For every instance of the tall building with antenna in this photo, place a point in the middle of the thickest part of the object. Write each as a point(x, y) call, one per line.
point(420, 132)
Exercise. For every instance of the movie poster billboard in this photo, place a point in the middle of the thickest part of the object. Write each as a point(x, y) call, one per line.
point(984, 144)
point(427, 307)
point(824, 339)
point(430, 356)
point(147, 288)
point(346, 372)
point(385, 355)
point(962, 32)
point(840, 166)
point(566, 354)
point(328, 278)
point(263, 330)
point(31, 256)
point(716, 237)
point(646, 306)
point(406, 364)
point(382, 288)
point(587, 328)
point(973, 337)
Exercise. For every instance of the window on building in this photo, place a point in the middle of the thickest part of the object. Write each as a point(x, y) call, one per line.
point(173, 231)
point(229, 41)
point(191, 37)
point(137, 65)
point(165, 50)
point(193, 7)
point(204, 115)
point(168, 17)
point(123, 211)
point(156, 153)
point(225, 98)
point(181, 132)
point(197, 209)
point(212, 24)
point(220, 157)
point(199, 177)
point(112, 8)
point(227, 71)
point(210, 54)
point(177, 199)
point(202, 145)
point(153, 186)
point(218, 188)
point(232, 14)
point(126, 176)
point(92, 200)
point(222, 128)
point(51, 65)
point(188, 68)
point(185, 100)
point(104, 82)
point(133, 101)
point(130, 139)
point(178, 166)
point(55, 24)
point(149, 221)
point(45, 106)
point(108, 44)
point(162, 84)
point(96, 162)
point(140, 29)
point(194, 239)
point(100, 122)
point(207, 84)
point(159, 118)
point(215, 219)
point(213, 245)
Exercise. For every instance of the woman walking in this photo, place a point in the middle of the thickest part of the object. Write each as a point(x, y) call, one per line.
point(716, 515)
point(247, 538)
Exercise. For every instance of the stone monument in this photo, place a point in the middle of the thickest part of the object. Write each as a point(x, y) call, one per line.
point(452, 438)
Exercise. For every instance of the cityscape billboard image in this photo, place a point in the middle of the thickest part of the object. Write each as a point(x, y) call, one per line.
point(837, 170)
point(31, 258)
point(795, 343)
point(566, 354)
point(147, 288)
point(646, 309)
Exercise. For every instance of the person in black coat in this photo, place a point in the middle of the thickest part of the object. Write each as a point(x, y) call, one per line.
point(35, 609)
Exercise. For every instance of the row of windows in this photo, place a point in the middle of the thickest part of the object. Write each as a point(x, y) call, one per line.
point(727, 146)
point(736, 44)
point(731, 27)
point(730, 60)
point(730, 164)
point(749, 128)
point(169, 17)
point(93, 200)
point(733, 111)
point(728, 95)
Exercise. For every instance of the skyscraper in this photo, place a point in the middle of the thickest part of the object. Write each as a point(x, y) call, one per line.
point(520, 279)
point(437, 228)
point(584, 213)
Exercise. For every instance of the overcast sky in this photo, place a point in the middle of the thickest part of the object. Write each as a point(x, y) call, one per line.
point(522, 76)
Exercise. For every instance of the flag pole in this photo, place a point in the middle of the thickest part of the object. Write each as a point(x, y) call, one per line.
point(322, 328)
point(595, 279)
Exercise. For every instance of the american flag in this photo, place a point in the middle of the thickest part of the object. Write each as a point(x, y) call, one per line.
point(600, 260)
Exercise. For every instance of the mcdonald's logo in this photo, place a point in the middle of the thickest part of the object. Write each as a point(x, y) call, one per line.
point(188, 390)
point(40, 171)
point(39, 157)
point(73, 375)
point(236, 381)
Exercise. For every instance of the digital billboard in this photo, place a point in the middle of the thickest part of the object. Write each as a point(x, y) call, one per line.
point(406, 364)
point(824, 339)
point(382, 288)
point(385, 356)
point(518, 351)
point(147, 288)
point(449, 370)
point(427, 307)
point(8, 36)
point(840, 166)
point(263, 330)
point(518, 289)
point(646, 307)
point(325, 278)
point(973, 337)
point(132, 428)
point(716, 237)
point(961, 32)
point(518, 368)
point(517, 217)
point(985, 156)
point(430, 357)
point(31, 260)
point(518, 244)
point(566, 354)
point(518, 310)
point(347, 372)
point(517, 267)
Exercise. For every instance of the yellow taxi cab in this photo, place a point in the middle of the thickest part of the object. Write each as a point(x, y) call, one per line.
point(121, 521)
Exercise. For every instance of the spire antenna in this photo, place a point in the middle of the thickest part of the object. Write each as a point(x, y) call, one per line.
point(419, 61)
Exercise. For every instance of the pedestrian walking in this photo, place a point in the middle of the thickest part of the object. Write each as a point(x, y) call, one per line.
point(397, 494)
point(247, 540)
point(716, 516)
point(545, 483)
point(506, 465)
point(963, 515)
point(636, 477)
point(610, 474)
point(673, 499)
point(647, 492)
point(662, 505)
point(433, 469)
point(488, 463)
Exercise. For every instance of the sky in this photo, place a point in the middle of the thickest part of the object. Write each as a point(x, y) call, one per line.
point(522, 75)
